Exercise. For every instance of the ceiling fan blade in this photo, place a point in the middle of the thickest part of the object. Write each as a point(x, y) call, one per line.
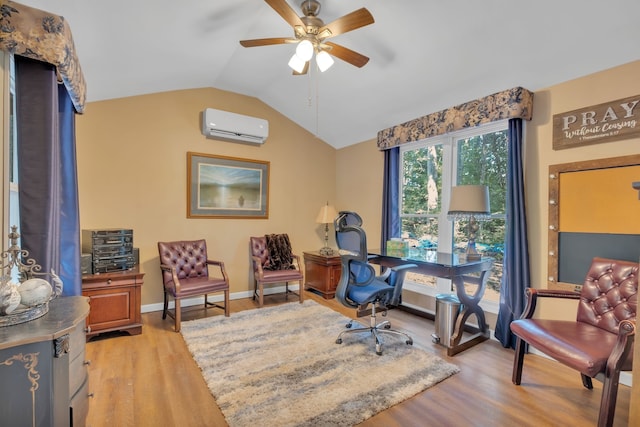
point(347, 55)
point(288, 14)
point(349, 22)
point(267, 42)
point(304, 70)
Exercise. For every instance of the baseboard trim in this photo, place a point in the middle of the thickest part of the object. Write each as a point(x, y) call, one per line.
point(188, 302)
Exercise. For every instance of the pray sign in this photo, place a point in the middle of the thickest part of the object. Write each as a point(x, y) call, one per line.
point(606, 122)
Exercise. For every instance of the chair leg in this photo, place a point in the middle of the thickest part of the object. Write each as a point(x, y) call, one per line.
point(301, 291)
point(586, 381)
point(518, 361)
point(226, 303)
point(260, 294)
point(608, 399)
point(166, 305)
point(177, 315)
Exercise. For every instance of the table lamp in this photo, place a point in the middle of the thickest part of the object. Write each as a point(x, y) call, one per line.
point(326, 216)
point(470, 202)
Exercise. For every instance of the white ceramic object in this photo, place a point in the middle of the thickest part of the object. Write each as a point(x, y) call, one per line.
point(34, 292)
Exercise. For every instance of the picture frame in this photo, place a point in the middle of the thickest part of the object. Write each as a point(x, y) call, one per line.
point(227, 187)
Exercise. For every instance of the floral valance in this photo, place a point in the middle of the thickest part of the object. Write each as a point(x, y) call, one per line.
point(509, 104)
point(40, 35)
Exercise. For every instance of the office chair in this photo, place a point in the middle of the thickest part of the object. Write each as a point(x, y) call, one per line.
point(359, 286)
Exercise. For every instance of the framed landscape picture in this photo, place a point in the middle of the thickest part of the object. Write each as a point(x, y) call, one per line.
point(226, 187)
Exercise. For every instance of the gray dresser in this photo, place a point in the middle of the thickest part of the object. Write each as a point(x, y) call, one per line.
point(44, 369)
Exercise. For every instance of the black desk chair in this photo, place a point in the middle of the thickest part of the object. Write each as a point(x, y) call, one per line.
point(359, 287)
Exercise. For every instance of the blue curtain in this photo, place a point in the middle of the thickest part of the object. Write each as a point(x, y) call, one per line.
point(390, 196)
point(47, 175)
point(515, 273)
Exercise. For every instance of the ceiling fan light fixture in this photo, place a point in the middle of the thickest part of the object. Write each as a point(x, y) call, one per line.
point(324, 61)
point(296, 63)
point(304, 50)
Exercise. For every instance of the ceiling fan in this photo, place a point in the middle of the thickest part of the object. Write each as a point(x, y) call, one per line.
point(310, 33)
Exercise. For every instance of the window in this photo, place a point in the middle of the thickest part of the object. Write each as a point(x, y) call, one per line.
point(11, 212)
point(429, 169)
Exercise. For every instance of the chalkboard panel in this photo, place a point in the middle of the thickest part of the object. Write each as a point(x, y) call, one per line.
point(578, 249)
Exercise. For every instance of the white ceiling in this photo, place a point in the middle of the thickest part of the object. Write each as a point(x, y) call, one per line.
point(426, 55)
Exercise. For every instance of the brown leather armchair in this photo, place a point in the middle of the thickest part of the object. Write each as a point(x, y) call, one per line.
point(185, 273)
point(274, 262)
point(599, 343)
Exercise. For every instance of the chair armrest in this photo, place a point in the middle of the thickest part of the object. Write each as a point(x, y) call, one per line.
point(174, 275)
point(400, 271)
point(534, 294)
point(623, 347)
point(219, 264)
point(297, 258)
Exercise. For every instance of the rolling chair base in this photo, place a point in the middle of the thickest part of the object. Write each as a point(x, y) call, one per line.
point(375, 329)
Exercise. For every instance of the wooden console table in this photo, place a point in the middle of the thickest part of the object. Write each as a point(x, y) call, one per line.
point(322, 272)
point(115, 300)
point(459, 271)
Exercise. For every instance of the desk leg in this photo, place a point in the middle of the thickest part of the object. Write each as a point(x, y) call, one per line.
point(470, 305)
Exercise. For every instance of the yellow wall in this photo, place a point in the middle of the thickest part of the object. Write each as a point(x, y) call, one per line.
point(132, 173)
point(608, 85)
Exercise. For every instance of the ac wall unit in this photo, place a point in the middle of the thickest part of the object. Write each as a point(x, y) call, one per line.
point(228, 126)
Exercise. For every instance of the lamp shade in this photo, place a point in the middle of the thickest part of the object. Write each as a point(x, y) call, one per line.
point(296, 63)
point(469, 200)
point(324, 61)
point(304, 50)
point(326, 215)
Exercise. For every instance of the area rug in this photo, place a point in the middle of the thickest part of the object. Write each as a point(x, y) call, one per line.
point(280, 366)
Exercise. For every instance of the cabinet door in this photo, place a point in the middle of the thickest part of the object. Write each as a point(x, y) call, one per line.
point(111, 307)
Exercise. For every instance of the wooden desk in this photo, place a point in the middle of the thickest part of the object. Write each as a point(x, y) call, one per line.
point(459, 271)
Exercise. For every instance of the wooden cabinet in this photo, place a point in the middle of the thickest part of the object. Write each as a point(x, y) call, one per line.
point(43, 368)
point(115, 300)
point(322, 273)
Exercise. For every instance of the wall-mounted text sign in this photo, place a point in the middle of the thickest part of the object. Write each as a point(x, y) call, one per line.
point(606, 122)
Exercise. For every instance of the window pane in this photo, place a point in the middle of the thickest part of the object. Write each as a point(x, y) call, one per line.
point(482, 159)
point(421, 180)
point(420, 232)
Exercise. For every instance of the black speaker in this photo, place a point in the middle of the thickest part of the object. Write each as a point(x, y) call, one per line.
point(86, 263)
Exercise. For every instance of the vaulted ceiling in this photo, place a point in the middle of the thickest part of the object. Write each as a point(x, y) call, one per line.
point(425, 55)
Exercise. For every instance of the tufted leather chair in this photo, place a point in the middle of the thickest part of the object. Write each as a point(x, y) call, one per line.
point(185, 273)
point(263, 275)
point(599, 343)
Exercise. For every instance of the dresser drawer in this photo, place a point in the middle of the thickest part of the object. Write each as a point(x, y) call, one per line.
point(77, 373)
point(77, 341)
point(79, 405)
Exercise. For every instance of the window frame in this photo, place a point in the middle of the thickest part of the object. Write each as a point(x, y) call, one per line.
point(449, 144)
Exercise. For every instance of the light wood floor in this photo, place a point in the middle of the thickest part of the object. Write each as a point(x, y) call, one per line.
point(151, 380)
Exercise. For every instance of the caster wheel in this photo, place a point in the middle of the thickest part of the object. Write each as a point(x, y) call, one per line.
point(348, 325)
point(387, 326)
point(339, 341)
point(409, 342)
point(379, 353)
